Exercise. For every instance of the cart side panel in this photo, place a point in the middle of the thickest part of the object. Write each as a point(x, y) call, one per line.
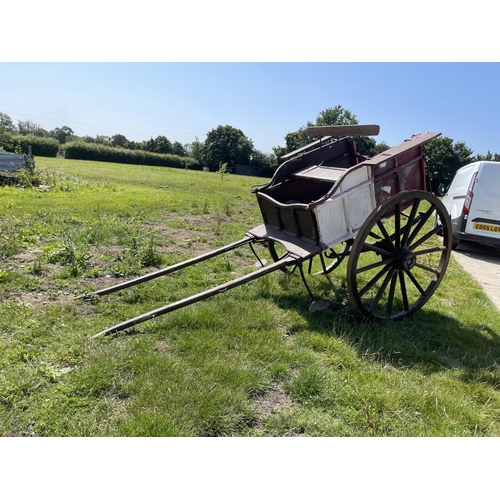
point(332, 222)
point(340, 217)
point(292, 219)
point(297, 190)
point(353, 177)
point(401, 167)
point(400, 174)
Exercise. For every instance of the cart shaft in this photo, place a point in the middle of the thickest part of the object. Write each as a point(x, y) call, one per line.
point(287, 261)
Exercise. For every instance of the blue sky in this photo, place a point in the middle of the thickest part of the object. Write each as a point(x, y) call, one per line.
point(265, 100)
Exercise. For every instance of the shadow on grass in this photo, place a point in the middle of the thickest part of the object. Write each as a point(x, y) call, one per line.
point(428, 341)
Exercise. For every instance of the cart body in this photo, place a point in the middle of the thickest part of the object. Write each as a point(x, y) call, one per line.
point(323, 196)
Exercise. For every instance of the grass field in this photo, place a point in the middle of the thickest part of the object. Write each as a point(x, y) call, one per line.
point(250, 362)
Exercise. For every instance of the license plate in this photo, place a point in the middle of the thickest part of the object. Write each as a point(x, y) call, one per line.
point(487, 227)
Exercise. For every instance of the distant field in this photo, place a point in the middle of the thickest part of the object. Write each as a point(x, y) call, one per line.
point(250, 362)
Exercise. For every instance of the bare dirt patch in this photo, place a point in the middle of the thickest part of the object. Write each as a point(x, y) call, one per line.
point(180, 237)
point(273, 402)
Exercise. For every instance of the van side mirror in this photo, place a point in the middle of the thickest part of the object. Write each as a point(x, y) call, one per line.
point(442, 189)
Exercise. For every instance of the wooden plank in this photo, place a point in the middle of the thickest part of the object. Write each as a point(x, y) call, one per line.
point(318, 172)
point(293, 244)
point(343, 130)
point(415, 141)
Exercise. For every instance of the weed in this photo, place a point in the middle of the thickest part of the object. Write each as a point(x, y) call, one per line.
point(149, 252)
point(219, 219)
point(76, 257)
point(222, 171)
point(37, 267)
point(227, 210)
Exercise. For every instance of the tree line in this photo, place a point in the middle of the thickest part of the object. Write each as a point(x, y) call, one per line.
point(228, 146)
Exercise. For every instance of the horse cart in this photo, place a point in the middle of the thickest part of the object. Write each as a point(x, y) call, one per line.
point(325, 203)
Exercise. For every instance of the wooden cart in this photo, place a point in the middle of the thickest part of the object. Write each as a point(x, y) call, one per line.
point(326, 202)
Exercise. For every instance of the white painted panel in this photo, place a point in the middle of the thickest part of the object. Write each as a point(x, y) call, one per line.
point(340, 217)
point(359, 206)
point(354, 178)
point(332, 223)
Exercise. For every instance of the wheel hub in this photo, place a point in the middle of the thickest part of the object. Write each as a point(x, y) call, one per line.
point(405, 259)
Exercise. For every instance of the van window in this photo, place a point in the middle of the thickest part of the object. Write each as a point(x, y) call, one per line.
point(461, 180)
point(490, 177)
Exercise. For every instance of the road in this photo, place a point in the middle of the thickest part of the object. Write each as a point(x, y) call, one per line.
point(483, 263)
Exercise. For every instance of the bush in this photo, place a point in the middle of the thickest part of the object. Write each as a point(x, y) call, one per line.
point(40, 146)
point(80, 150)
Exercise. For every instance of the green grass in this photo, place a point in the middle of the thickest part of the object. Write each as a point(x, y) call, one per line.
point(251, 362)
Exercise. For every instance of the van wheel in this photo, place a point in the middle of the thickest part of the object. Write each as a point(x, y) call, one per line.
point(454, 243)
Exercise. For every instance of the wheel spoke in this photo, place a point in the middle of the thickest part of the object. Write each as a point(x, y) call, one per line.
point(375, 235)
point(384, 232)
point(374, 280)
point(415, 282)
point(397, 224)
point(403, 290)
point(410, 222)
point(427, 268)
point(335, 256)
point(421, 222)
point(373, 266)
point(390, 298)
point(381, 290)
point(377, 249)
point(424, 238)
point(430, 250)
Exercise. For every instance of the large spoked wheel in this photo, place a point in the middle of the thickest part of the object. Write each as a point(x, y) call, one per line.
point(397, 260)
point(326, 262)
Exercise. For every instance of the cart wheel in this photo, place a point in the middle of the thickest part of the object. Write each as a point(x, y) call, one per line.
point(397, 260)
point(332, 258)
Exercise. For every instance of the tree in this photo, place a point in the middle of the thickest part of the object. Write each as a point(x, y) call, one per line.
point(335, 116)
point(195, 150)
point(62, 134)
point(296, 140)
point(28, 127)
point(159, 145)
point(6, 122)
point(329, 116)
point(263, 160)
point(381, 147)
point(489, 156)
point(178, 149)
point(103, 139)
point(162, 145)
point(226, 144)
point(119, 140)
point(444, 158)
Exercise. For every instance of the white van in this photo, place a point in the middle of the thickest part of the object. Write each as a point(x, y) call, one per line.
point(473, 202)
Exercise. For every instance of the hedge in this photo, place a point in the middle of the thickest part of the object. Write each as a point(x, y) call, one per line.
point(80, 150)
point(40, 146)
